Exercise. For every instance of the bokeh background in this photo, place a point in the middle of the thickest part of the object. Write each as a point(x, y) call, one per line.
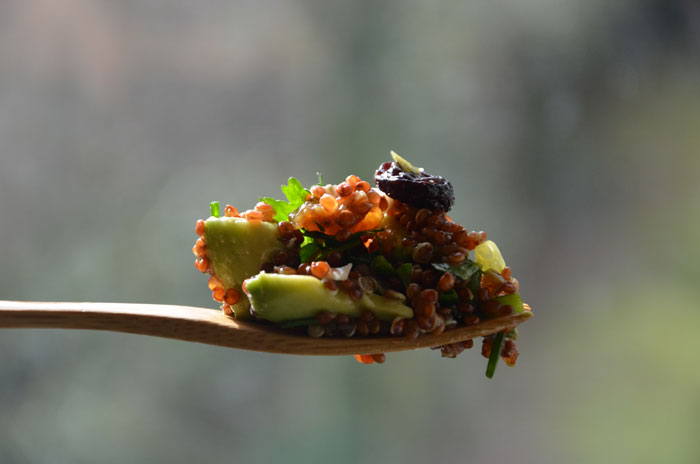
point(570, 130)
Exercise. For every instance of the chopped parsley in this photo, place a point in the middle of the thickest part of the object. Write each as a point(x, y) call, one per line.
point(296, 195)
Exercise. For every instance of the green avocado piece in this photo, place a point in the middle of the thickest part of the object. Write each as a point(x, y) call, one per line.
point(237, 248)
point(280, 297)
point(513, 300)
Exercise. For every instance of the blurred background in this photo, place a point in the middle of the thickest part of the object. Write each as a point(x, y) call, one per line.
point(571, 133)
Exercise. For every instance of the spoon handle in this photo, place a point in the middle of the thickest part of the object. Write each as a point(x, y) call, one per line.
point(177, 322)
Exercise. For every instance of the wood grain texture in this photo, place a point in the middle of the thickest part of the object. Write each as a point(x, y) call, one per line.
point(212, 327)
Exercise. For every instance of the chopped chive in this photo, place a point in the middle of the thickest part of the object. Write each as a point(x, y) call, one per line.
point(404, 273)
point(475, 282)
point(215, 209)
point(320, 178)
point(495, 354)
point(448, 299)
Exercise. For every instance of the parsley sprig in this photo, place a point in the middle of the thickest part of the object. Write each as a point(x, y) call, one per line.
point(296, 195)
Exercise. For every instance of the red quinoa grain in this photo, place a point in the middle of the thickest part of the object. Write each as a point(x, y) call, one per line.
point(446, 282)
point(202, 264)
point(429, 295)
point(410, 329)
point(456, 258)
point(230, 211)
point(319, 269)
point(347, 330)
point(343, 235)
point(374, 197)
point(367, 284)
point(214, 282)
point(366, 315)
point(287, 270)
point(367, 359)
point(362, 329)
point(281, 257)
point(508, 349)
point(412, 290)
point(231, 296)
point(423, 253)
point(286, 229)
point(218, 294)
point(317, 191)
point(330, 285)
point(438, 327)
point(397, 324)
point(253, 216)
point(329, 202)
point(363, 186)
point(325, 317)
point(345, 189)
point(506, 310)
point(424, 322)
point(486, 347)
point(355, 293)
point(199, 227)
point(315, 331)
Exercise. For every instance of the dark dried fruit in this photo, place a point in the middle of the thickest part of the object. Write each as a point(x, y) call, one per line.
point(418, 189)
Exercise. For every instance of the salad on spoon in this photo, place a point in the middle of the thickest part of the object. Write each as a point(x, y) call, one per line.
point(353, 261)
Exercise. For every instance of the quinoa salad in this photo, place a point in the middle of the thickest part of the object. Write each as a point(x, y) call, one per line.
point(352, 260)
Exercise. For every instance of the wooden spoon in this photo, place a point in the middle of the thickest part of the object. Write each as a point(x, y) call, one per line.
point(212, 327)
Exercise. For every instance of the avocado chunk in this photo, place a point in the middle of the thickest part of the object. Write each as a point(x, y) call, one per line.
point(281, 297)
point(513, 300)
point(237, 248)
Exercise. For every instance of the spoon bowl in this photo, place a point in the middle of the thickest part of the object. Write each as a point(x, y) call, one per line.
point(212, 327)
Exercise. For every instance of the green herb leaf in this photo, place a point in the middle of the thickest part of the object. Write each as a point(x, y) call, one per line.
point(495, 354)
point(309, 249)
point(296, 195)
point(215, 208)
point(402, 254)
point(295, 192)
point(448, 299)
point(404, 272)
point(464, 271)
point(382, 267)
